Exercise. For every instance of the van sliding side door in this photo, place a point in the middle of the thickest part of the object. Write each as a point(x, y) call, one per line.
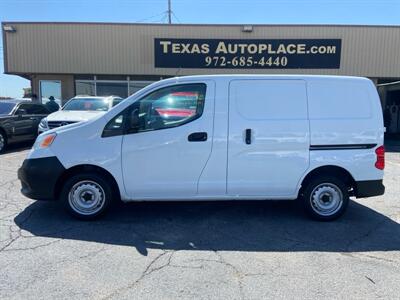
point(268, 140)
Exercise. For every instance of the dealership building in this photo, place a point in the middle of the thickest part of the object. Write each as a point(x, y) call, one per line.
point(67, 59)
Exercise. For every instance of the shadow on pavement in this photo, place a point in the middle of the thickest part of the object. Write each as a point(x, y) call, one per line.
point(218, 226)
point(392, 144)
point(17, 147)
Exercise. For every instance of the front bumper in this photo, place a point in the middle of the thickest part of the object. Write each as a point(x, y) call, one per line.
point(39, 177)
point(42, 129)
point(369, 188)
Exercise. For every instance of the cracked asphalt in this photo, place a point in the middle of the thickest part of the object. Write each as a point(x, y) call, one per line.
point(206, 250)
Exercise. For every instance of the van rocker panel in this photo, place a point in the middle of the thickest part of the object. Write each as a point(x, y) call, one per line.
point(39, 176)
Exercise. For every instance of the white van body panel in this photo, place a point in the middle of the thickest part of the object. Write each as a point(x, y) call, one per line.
point(212, 182)
point(275, 112)
point(344, 111)
point(333, 111)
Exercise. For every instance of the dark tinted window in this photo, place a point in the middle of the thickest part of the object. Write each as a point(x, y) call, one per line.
point(6, 107)
point(33, 109)
point(37, 109)
point(24, 107)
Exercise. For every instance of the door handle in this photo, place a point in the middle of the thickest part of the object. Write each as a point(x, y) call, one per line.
point(197, 137)
point(248, 136)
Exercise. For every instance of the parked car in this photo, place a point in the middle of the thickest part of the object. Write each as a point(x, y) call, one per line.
point(19, 121)
point(78, 109)
point(318, 139)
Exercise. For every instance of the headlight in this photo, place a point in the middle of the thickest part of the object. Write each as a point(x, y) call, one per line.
point(43, 123)
point(44, 141)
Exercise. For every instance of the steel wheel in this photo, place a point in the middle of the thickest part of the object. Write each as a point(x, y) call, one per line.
point(86, 197)
point(326, 199)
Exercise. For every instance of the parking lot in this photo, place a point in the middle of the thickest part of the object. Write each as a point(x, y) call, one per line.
point(204, 250)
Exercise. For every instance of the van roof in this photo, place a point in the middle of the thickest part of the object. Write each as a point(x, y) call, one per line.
point(269, 76)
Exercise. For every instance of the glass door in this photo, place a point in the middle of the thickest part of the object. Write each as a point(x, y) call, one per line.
point(50, 88)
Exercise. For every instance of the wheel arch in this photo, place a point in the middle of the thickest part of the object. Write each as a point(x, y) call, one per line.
point(332, 170)
point(2, 130)
point(87, 168)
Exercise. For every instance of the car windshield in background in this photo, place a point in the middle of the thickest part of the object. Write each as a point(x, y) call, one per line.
point(93, 104)
point(6, 108)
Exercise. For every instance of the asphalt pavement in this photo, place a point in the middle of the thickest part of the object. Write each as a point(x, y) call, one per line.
point(198, 250)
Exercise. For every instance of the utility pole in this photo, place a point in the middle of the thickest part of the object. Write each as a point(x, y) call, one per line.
point(169, 12)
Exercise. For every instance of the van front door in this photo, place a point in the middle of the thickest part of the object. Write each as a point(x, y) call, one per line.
point(268, 139)
point(170, 142)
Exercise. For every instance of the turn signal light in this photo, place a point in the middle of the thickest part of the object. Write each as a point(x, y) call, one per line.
point(380, 158)
point(47, 140)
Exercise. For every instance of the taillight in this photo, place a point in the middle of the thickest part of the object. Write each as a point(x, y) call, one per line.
point(380, 157)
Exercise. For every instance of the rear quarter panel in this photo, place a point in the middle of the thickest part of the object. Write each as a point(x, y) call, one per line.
point(345, 111)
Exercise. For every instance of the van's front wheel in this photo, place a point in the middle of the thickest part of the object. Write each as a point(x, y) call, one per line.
point(325, 198)
point(86, 196)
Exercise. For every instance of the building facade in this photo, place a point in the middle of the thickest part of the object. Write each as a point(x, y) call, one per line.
point(66, 59)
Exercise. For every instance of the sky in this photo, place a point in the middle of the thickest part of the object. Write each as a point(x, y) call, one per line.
point(360, 12)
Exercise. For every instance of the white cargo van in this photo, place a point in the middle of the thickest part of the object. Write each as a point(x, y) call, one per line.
point(314, 138)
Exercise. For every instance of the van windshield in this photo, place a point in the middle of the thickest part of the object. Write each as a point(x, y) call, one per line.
point(91, 104)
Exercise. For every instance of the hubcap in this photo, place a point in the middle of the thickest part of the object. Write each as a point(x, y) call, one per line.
point(86, 197)
point(326, 199)
point(2, 141)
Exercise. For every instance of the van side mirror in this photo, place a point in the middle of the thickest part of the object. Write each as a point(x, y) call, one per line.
point(134, 120)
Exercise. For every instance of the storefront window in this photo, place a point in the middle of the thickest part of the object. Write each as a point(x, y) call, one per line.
point(135, 86)
point(110, 88)
point(50, 88)
point(85, 88)
point(109, 85)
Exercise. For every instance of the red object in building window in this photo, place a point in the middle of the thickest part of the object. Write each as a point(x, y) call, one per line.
point(185, 94)
point(175, 112)
point(380, 157)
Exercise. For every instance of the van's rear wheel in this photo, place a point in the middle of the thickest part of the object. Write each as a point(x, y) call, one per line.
point(86, 196)
point(325, 198)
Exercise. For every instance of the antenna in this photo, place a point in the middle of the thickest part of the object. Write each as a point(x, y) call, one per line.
point(169, 12)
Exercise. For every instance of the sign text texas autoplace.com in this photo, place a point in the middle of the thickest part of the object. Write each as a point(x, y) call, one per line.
point(247, 54)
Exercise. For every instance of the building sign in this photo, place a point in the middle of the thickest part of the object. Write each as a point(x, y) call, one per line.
point(247, 54)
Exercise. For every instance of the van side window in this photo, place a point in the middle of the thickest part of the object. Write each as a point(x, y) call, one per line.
point(168, 107)
point(115, 126)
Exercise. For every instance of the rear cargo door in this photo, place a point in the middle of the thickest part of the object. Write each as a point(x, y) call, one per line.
point(268, 139)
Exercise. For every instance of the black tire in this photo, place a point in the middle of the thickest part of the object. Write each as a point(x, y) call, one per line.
point(3, 141)
point(325, 198)
point(87, 185)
